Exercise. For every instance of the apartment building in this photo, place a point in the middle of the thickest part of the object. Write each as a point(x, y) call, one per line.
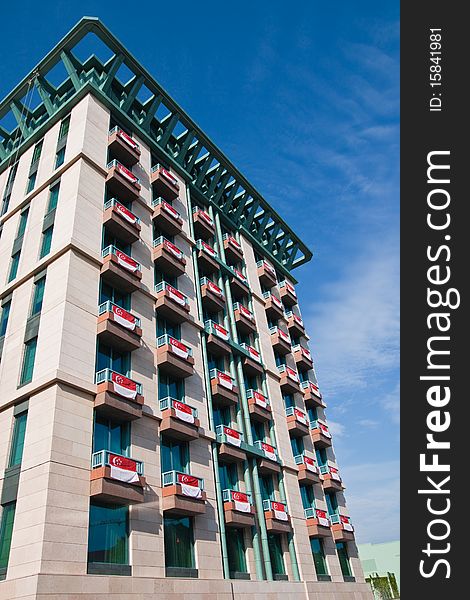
point(161, 426)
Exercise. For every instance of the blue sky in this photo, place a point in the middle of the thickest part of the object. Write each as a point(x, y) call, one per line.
point(304, 99)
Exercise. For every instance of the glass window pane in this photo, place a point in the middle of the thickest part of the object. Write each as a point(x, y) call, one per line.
point(108, 534)
point(343, 559)
point(236, 551)
point(331, 503)
point(6, 528)
point(15, 261)
point(179, 551)
point(23, 221)
point(59, 158)
point(38, 296)
point(53, 197)
point(266, 487)
point(17, 441)
point(36, 152)
point(276, 554)
point(31, 182)
point(46, 241)
point(307, 495)
point(4, 318)
point(318, 556)
point(64, 128)
point(28, 360)
point(174, 456)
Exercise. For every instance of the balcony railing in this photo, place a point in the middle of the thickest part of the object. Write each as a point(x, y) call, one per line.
point(105, 458)
point(332, 471)
point(109, 306)
point(167, 175)
point(282, 334)
point(178, 296)
point(126, 138)
point(225, 379)
point(304, 351)
point(178, 477)
point(167, 207)
point(129, 175)
point(258, 397)
point(269, 268)
point(289, 371)
point(169, 340)
point(298, 413)
point(204, 215)
point(290, 314)
point(305, 385)
point(244, 311)
point(289, 287)
point(232, 240)
point(124, 259)
point(309, 462)
point(342, 520)
point(266, 449)
point(114, 376)
point(239, 275)
point(275, 506)
point(252, 352)
point(169, 402)
point(174, 250)
point(215, 289)
point(275, 299)
point(229, 435)
point(207, 248)
point(123, 210)
point(236, 496)
point(216, 329)
point(320, 425)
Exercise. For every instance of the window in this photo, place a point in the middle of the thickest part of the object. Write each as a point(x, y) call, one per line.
point(343, 556)
point(228, 476)
point(53, 197)
point(276, 554)
point(319, 559)
point(308, 496)
point(266, 487)
point(288, 400)
point(8, 187)
point(64, 128)
point(331, 503)
point(108, 293)
point(4, 314)
point(163, 327)
point(109, 435)
point(23, 221)
point(322, 458)
point(59, 157)
point(36, 153)
point(297, 445)
point(31, 182)
point(28, 360)
point(15, 261)
point(46, 241)
point(109, 358)
point(222, 416)
point(312, 413)
point(174, 455)
point(258, 431)
point(236, 551)
point(179, 543)
point(108, 534)
point(6, 528)
point(17, 441)
point(38, 296)
point(170, 386)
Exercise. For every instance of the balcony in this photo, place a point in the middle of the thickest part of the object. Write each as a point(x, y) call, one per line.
point(251, 361)
point(123, 147)
point(318, 523)
point(230, 440)
point(207, 258)
point(308, 473)
point(238, 509)
point(179, 420)
point(183, 494)
point(321, 436)
point(341, 528)
point(121, 222)
point(259, 406)
point(266, 273)
point(116, 479)
point(171, 304)
point(233, 250)
point(118, 328)
point(204, 227)
point(121, 182)
point(174, 357)
point(280, 341)
point(312, 395)
point(165, 217)
point(223, 389)
point(269, 465)
point(244, 319)
point(332, 481)
point(118, 397)
point(274, 307)
point(239, 285)
point(295, 324)
point(289, 380)
point(164, 183)
point(120, 270)
point(168, 258)
point(297, 422)
point(277, 517)
point(212, 296)
point(303, 358)
point(217, 339)
point(288, 294)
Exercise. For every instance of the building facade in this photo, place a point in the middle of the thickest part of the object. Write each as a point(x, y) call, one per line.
point(161, 426)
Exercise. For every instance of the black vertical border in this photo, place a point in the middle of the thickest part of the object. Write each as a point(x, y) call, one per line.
point(423, 131)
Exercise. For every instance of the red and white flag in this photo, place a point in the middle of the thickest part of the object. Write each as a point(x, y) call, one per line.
point(255, 355)
point(241, 501)
point(206, 217)
point(322, 518)
point(279, 511)
point(122, 386)
point(276, 301)
point(310, 464)
point(176, 295)
point(209, 249)
point(124, 318)
point(291, 288)
point(126, 213)
point(126, 173)
point(170, 210)
point(169, 177)
point(346, 523)
point(240, 276)
point(260, 399)
point(323, 428)
point(306, 353)
point(269, 451)
point(183, 412)
point(177, 253)
point(292, 374)
point(221, 332)
point(126, 261)
point(314, 389)
point(283, 335)
point(179, 348)
point(245, 312)
point(122, 468)
point(334, 474)
point(233, 437)
point(270, 269)
point(189, 485)
point(234, 243)
point(225, 380)
point(214, 288)
point(129, 141)
point(300, 416)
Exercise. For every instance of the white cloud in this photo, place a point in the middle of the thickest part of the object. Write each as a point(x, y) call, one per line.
point(371, 423)
point(391, 404)
point(338, 430)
